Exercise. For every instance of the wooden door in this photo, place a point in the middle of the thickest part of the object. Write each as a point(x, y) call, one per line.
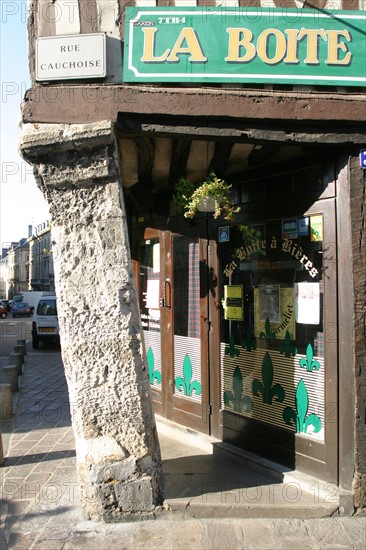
point(176, 304)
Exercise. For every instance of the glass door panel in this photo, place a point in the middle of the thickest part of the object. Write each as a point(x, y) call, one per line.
point(187, 318)
point(149, 299)
point(185, 346)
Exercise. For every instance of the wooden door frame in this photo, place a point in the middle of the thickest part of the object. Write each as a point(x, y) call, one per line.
point(330, 328)
point(213, 335)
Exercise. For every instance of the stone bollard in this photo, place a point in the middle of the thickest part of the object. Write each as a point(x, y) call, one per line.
point(20, 349)
point(6, 402)
point(10, 376)
point(16, 359)
point(23, 343)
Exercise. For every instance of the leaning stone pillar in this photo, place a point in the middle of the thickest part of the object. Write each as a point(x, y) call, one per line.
point(118, 455)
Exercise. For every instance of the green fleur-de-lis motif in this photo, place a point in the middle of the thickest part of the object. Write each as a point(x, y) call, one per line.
point(231, 349)
point(309, 363)
point(300, 420)
point(268, 334)
point(236, 396)
point(249, 342)
point(266, 389)
point(286, 347)
point(185, 384)
point(153, 374)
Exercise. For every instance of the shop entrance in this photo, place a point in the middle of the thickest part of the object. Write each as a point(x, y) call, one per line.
point(172, 273)
point(240, 317)
point(279, 339)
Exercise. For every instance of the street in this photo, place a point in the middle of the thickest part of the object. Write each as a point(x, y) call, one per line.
point(19, 328)
point(211, 502)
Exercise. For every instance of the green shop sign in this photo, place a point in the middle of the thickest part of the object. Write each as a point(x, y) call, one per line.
point(213, 44)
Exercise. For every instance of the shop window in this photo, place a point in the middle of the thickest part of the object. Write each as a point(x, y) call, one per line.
point(150, 284)
point(272, 345)
point(278, 264)
point(149, 300)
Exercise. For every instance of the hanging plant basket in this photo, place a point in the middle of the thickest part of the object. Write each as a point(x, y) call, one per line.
point(206, 204)
point(210, 195)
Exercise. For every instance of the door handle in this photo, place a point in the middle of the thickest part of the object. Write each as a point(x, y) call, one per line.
point(166, 300)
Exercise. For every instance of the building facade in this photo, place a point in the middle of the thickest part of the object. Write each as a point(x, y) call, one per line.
point(28, 264)
point(254, 326)
point(15, 269)
point(4, 274)
point(41, 273)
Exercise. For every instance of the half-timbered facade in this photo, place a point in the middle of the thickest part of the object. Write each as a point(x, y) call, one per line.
point(254, 328)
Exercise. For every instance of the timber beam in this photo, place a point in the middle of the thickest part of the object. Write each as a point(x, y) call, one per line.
point(80, 104)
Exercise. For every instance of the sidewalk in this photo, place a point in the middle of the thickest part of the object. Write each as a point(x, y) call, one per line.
point(213, 502)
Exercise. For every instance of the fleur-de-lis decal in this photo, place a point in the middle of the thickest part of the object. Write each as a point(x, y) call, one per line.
point(238, 400)
point(266, 389)
point(231, 349)
point(185, 384)
point(300, 420)
point(249, 342)
point(153, 374)
point(286, 347)
point(309, 363)
point(268, 334)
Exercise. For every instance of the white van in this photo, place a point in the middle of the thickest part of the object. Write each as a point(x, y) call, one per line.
point(45, 322)
point(31, 297)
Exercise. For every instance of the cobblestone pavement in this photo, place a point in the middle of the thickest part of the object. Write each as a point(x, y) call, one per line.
point(40, 497)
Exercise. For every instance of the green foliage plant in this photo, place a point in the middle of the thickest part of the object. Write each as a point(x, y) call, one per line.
point(189, 196)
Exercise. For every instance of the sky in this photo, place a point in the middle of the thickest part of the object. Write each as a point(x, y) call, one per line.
point(21, 202)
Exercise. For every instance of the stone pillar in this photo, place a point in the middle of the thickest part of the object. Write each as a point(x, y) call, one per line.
point(118, 455)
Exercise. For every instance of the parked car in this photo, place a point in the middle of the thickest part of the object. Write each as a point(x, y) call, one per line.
point(5, 304)
point(3, 312)
point(21, 309)
point(45, 322)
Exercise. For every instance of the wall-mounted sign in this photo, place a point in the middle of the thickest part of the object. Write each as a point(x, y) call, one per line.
point(286, 321)
point(240, 44)
point(316, 228)
point(233, 302)
point(71, 57)
point(269, 303)
point(307, 304)
point(363, 158)
point(224, 234)
point(303, 227)
point(289, 228)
